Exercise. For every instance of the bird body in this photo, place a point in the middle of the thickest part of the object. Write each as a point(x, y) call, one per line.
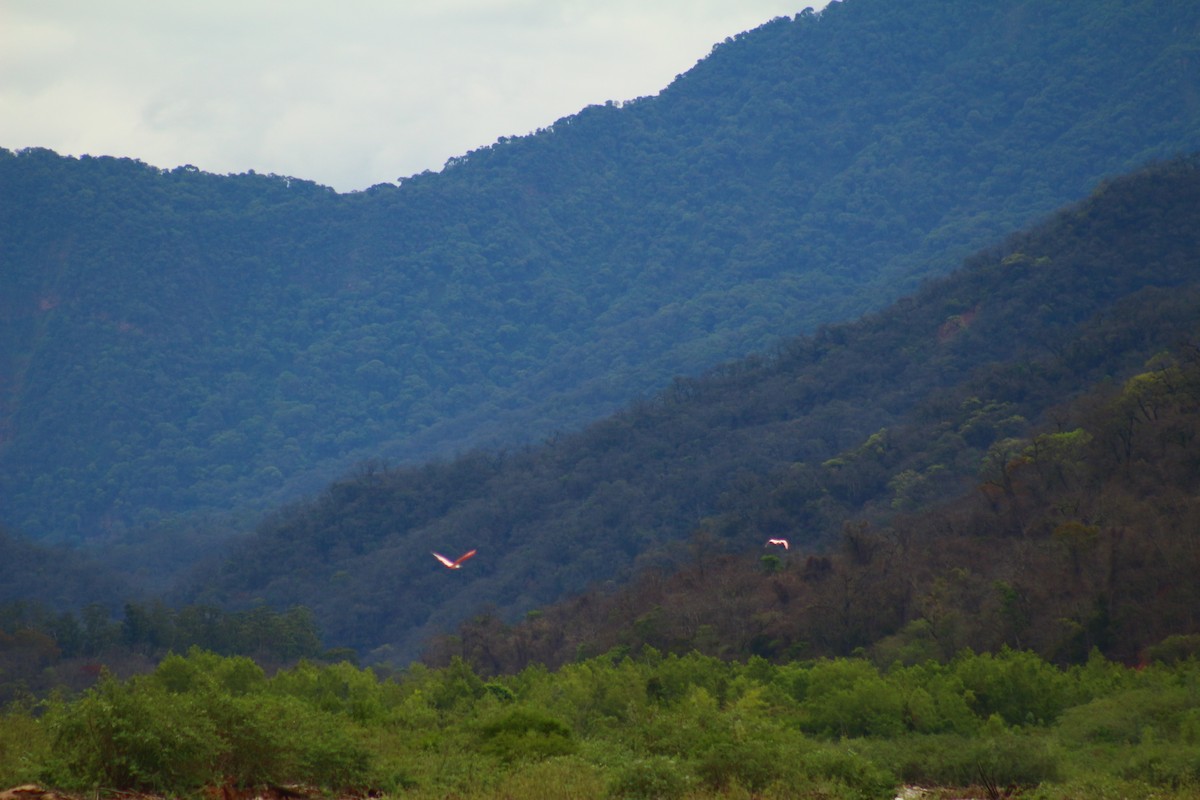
point(781, 542)
point(456, 563)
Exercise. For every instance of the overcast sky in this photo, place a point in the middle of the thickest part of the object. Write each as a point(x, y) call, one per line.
point(348, 94)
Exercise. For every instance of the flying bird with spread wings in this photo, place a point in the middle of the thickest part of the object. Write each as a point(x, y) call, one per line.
point(781, 542)
point(456, 563)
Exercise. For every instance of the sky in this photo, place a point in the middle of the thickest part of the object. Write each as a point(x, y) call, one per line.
point(348, 94)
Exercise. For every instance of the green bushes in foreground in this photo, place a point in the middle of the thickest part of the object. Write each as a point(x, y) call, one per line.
point(619, 727)
point(196, 721)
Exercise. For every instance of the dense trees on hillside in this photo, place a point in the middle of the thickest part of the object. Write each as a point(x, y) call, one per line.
point(888, 414)
point(1075, 536)
point(182, 342)
point(990, 490)
point(42, 649)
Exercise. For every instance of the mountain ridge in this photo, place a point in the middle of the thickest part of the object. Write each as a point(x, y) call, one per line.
point(541, 282)
point(792, 445)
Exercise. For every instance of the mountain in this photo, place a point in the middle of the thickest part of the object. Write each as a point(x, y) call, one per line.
point(902, 408)
point(179, 347)
point(1074, 539)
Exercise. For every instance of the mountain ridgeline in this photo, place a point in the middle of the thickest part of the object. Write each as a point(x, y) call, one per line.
point(900, 412)
point(177, 344)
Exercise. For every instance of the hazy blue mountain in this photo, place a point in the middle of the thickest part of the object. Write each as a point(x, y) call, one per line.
point(175, 346)
point(901, 409)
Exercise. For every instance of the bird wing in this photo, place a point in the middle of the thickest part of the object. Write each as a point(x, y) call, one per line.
point(447, 562)
point(464, 557)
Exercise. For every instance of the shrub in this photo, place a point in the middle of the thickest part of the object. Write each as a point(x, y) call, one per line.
point(23, 746)
point(1164, 764)
point(653, 778)
point(144, 736)
point(935, 700)
point(526, 734)
point(328, 753)
point(849, 767)
point(1126, 717)
point(1014, 759)
point(552, 779)
point(266, 738)
point(337, 689)
point(752, 765)
point(1019, 686)
point(131, 737)
point(999, 755)
point(849, 698)
point(1174, 649)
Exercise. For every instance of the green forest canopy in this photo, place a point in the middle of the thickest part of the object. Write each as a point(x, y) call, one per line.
point(178, 343)
point(897, 412)
point(978, 622)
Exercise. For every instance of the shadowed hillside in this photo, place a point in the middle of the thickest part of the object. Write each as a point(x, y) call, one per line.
point(901, 409)
point(1077, 536)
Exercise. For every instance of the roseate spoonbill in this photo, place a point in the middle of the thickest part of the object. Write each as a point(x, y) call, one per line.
point(456, 563)
point(782, 542)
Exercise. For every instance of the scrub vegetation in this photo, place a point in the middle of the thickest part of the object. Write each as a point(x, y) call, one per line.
point(625, 726)
point(238, 415)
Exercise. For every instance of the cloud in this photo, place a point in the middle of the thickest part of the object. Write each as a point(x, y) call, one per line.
point(347, 94)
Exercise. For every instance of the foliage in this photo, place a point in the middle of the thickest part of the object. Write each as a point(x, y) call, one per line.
point(1003, 459)
point(857, 444)
point(128, 737)
point(1003, 505)
point(1017, 686)
point(553, 778)
point(1001, 757)
point(525, 734)
point(989, 486)
point(183, 349)
point(199, 720)
point(41, 649)
point(1071, 544)
point(24, 748)
point(649, 779)
point(208, 720)
point(862, 777)
point(849, 698)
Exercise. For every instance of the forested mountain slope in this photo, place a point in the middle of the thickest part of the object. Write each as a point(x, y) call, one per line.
point(57, 577)
point(181, 342)
point(1077, 535)
point(893, 412)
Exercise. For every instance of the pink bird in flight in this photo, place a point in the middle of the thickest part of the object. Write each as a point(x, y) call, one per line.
point(456, 563)
point(781, 542)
